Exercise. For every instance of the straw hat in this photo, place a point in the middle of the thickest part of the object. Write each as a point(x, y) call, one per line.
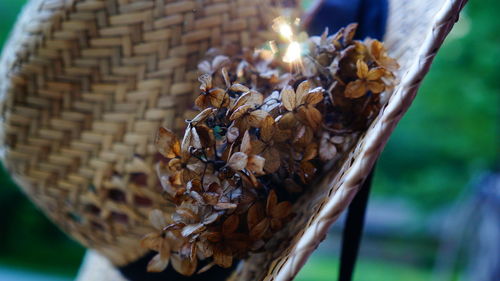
point(86, 83)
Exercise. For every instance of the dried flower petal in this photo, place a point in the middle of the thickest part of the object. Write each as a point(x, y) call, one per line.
point(157, 264)
point(288, 98)
point(167, 143)
point(238, 161)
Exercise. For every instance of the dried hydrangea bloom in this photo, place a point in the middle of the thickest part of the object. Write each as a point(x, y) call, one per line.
point(262, 136)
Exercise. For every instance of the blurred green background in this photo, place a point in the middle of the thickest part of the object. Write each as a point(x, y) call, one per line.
point(449, 136)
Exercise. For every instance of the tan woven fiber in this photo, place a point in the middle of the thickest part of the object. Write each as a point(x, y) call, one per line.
point(416, 30)
point(84, 86)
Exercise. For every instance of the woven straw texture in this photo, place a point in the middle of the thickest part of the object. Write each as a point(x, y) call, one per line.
point(84, 86)
point(416, 30)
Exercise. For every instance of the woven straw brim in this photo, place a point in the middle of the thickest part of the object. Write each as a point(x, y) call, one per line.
point(416, 30)
point(85, 84)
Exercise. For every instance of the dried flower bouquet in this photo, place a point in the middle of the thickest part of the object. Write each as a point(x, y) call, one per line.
point(266, 131)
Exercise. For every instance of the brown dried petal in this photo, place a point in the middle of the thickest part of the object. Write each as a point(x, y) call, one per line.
point(327, 149)
point(195, 139)
point(255, 215)
point(239, 88)
point(225, 206)
point(255, 98)
point(205, 67)
point(349, 33)
point(260, 229)
point(222, 259)
point(218, 97)
point(184, 266)
point(282, 210)
point(256, 164)
point(256, 117)
point(238, 161)
point(206, 268)
point(186, 214)
point(246, 146)
point(375, 87)
point(375, 74)
point(272, 163)
point(202, 116)
point(230, 224)
point(157, 264)
point(313, 117)
point(314, 98)
point(190, 229)
point(355, 89)
point(301, 92)
point(362, 69)
point(225, 75)
point(152, 241)
point(157, 219)
point(267, 129)
point(311, 151)
point(286, 121)
point(272, 200)
point(210, 219)
point(167, 143)
point(239, 112)
point(232, 134)
point(288, 98)
point(276, 224)
point(219, 62)
point(165, 249)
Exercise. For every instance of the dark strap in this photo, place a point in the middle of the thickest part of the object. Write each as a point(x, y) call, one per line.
point(353, 230)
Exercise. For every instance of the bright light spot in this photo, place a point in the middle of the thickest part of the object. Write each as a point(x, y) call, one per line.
point(292, 53)
point(286, 31)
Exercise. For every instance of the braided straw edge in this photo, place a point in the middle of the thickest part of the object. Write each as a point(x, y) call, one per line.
point(375, 140)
